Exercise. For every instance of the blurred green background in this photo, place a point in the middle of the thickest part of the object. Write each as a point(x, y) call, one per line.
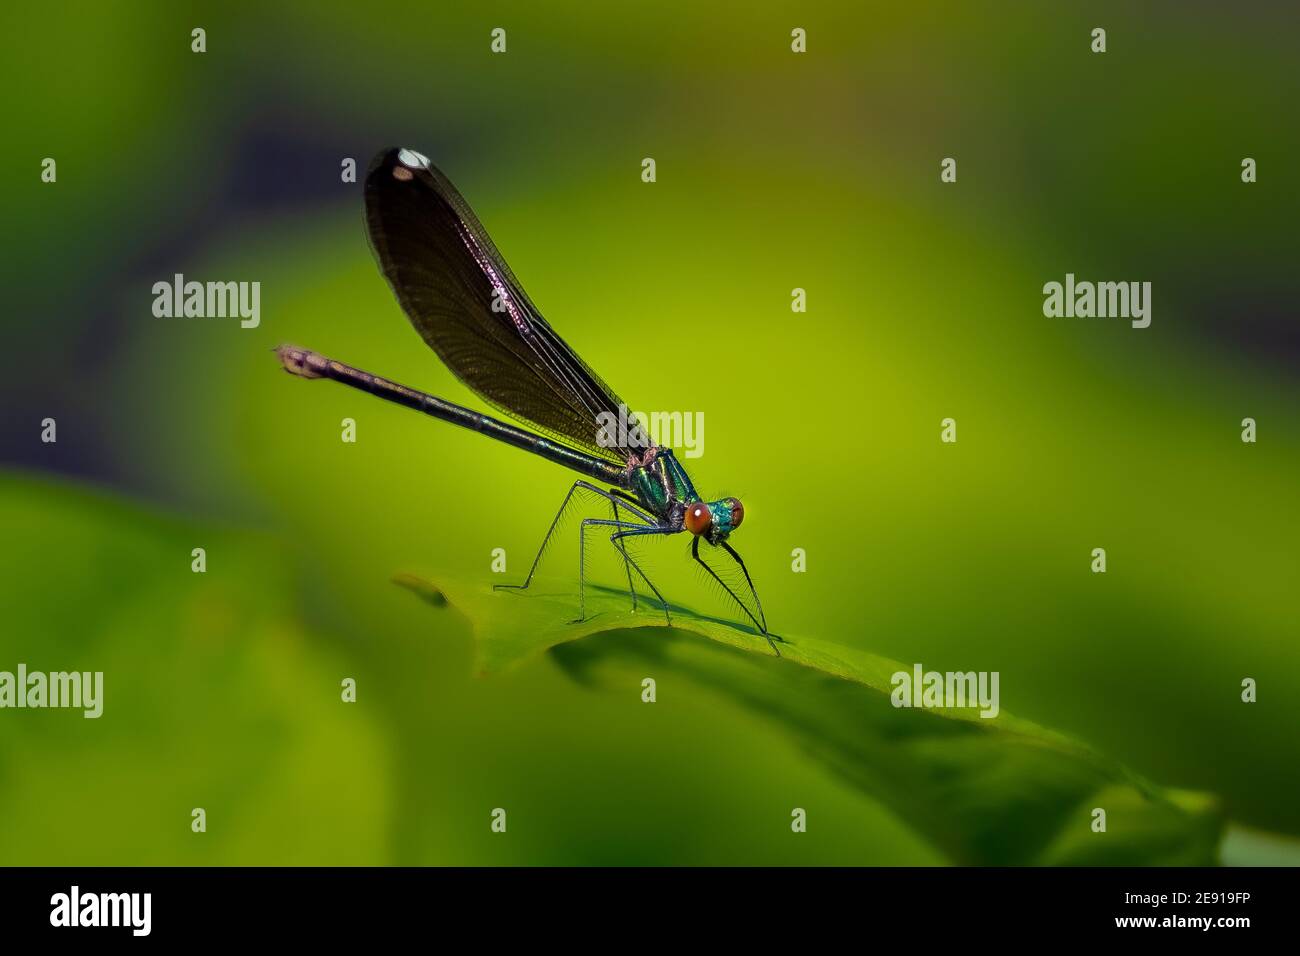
point(774, 171)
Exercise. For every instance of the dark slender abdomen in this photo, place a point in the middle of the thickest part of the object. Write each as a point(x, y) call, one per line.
point(310, 364)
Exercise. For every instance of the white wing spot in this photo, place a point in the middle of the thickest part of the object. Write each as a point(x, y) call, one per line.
point(409, 157)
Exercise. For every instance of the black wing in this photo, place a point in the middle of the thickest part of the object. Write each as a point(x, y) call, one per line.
point(467, 305)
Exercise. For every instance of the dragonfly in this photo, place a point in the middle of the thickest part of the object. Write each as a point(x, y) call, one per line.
point(467, 305)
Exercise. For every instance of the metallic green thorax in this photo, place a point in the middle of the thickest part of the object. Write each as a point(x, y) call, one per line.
point(664, 488)
point(681, 485)
point(662, 483)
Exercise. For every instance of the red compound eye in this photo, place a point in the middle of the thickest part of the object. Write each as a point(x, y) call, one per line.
point(698, 518)
point(737, 512)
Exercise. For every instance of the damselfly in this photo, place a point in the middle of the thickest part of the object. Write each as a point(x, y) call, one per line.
point(467, 305)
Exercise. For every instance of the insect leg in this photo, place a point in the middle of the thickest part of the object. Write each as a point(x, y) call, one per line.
point(627, 566)
point(616, 540)
point(748, 580)
point(582, 556)
point(762, 627)
point(585, 486)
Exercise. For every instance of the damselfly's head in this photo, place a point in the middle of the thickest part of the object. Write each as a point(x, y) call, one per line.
point(714, 520)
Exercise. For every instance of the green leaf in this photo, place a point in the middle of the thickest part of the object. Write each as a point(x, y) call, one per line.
point(215, 697)
point(999, 790)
